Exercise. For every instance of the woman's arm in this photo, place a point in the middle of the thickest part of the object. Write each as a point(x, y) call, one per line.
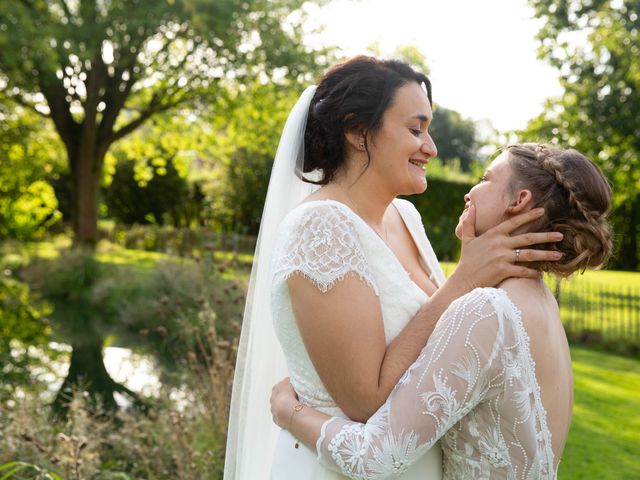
point(343, 329)
point(454, 372)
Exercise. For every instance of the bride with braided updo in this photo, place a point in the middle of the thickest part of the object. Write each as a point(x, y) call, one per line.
point(493, 384)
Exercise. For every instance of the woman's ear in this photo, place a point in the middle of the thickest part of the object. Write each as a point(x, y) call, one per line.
point(356, 138)
point(523, 202)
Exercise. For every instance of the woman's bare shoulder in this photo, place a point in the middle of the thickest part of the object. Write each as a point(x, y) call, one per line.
point(532, 297)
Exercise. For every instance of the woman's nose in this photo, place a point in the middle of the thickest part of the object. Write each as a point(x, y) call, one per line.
point(466, 197)
point(429, 147)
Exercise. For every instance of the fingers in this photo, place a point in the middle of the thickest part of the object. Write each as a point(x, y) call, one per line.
point(516, 222)
point(534, 238)
point(522, 272)
point(469, 224)
point(282, 385)
point(533, 255)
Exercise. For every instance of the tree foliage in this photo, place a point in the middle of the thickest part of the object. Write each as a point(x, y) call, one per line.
point(596, 47)
point(23, 326)
point(101, 69)
point(28, 153)
point(243, 144)
point(146, 174)
point(455, 137)
point(158, 200)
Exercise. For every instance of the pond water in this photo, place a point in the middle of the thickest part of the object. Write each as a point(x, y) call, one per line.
point(137, 372)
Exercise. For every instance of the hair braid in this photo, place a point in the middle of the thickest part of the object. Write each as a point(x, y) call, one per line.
point(575, 208)
point(550, 165)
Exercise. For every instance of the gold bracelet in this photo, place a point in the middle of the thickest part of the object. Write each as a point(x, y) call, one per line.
point(297, 408)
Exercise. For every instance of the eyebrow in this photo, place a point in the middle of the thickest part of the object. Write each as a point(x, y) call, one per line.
point(422, 117)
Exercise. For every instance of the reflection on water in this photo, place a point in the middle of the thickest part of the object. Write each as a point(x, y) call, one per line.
point(137, 372)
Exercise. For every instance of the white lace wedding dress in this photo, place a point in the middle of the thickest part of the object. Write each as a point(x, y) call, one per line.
point(473, 388)
point(324, 241)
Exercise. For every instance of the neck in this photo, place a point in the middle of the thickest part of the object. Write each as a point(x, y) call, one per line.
point(365, 195)
point(535, 283)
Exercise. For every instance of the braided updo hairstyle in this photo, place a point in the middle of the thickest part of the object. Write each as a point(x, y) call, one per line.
point(576, 197)
point(353, 94)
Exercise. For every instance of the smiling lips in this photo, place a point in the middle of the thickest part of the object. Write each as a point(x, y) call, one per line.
point(417, 162)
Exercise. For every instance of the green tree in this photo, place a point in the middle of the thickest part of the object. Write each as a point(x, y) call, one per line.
point(131, 201)
point(243, 144)
point(455, 137)
point(596, 47)
point(28, 153)
point(99, 70)
point(23, 325)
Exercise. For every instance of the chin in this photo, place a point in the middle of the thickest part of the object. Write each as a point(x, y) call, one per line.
point(458, 231)
point(416, 188)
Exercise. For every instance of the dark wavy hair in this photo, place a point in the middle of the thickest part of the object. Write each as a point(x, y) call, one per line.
point(576, 197)
point(352, 94)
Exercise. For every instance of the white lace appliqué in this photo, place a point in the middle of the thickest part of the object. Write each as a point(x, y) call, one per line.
point(474, 384)
point(324, 247)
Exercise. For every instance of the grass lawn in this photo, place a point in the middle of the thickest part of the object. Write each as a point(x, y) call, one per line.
point(603, 301)
point(606, 302)
point(604, 441)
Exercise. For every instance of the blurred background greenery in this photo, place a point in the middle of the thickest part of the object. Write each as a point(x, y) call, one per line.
point(136, 141)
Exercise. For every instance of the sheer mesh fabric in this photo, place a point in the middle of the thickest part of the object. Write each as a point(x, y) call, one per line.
point(474, 387)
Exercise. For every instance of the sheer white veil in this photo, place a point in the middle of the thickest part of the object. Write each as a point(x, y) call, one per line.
point(251, 433)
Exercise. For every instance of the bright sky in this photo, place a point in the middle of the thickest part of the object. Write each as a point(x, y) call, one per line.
point(481, 53)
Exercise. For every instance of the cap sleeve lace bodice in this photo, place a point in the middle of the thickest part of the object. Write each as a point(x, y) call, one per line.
point(325, 241)
point(474, 387)
point(324, 246)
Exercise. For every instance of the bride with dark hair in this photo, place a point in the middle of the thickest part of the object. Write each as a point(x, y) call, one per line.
point(344, 275)
point(493, 384)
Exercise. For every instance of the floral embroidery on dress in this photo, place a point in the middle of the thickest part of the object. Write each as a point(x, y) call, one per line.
point(493, 448)
point(473, 384)
point(325, 242)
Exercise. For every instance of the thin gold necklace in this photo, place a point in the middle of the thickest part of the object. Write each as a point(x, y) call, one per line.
point(385, 239)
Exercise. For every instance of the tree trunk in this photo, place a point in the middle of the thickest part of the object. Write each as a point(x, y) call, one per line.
point(86, 370)
point(88, 373)
point(633, 233)
point(86, 172)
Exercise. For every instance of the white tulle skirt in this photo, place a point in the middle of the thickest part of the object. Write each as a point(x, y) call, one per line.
point(290, 463)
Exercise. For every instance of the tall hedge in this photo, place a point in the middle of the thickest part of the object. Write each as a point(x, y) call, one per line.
point(440, 207)
point(442, 203)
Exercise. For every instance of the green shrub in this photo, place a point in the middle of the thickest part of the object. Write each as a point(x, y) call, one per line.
point(167, 197)
point(23, 324)
point(440, 207)
point(182, 312)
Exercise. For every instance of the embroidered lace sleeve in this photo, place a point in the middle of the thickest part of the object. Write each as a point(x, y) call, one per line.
point(323, 245)
point(452, 375)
